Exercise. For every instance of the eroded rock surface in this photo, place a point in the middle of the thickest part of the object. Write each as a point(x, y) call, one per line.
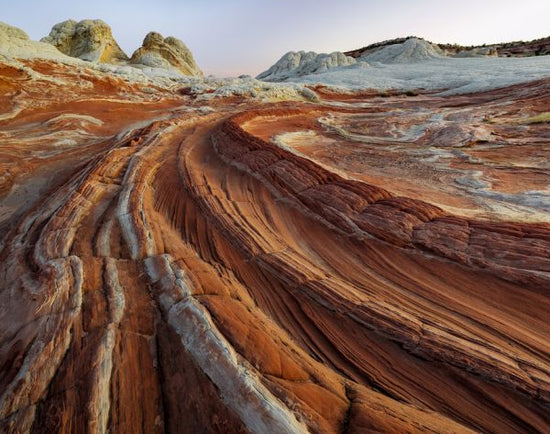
point(270, 267)
point(90, 40)
point(299, 63)
point(410, 51)
point(170, 52)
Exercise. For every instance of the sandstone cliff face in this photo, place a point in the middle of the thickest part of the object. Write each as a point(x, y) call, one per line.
point(90, 40)
point(160, 52)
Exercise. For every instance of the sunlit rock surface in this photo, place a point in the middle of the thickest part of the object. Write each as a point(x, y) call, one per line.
point(169, 52)
point(187, 257)
point(90, 40)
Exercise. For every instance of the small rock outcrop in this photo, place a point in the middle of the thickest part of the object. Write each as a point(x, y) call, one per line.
point(411, 51)
point(90, 40)
point(295, 64)
point(170, 52)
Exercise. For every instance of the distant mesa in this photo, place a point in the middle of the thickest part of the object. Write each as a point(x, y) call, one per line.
point(295, 64)
point(160, 52)
point(90, 40)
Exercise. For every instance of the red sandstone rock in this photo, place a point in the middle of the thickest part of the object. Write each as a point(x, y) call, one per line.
point(162, 270)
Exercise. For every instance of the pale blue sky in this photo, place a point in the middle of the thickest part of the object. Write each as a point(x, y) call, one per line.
point(231, 37)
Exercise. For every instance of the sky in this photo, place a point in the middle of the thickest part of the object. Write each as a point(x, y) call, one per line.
point(233, 37)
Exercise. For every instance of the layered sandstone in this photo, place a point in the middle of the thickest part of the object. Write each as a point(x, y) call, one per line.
point(361, 263)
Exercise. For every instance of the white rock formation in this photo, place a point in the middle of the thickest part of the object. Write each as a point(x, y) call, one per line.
point(168, 53)
point(15, 43)
point(457, 75)
point(296, 64)
point(90, 40)
point(411, 51)
point(8, 32)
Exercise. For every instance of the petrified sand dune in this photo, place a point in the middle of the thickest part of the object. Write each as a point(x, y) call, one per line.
point(302, 63)
point(169, 52)
point(250, 267)
point(412, 50)
point(93, 41)
point(90, 40)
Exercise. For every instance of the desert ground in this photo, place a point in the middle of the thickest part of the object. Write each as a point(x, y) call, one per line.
point(203, 255)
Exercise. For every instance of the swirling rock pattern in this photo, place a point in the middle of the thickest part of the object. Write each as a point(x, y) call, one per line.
point(169, 268)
